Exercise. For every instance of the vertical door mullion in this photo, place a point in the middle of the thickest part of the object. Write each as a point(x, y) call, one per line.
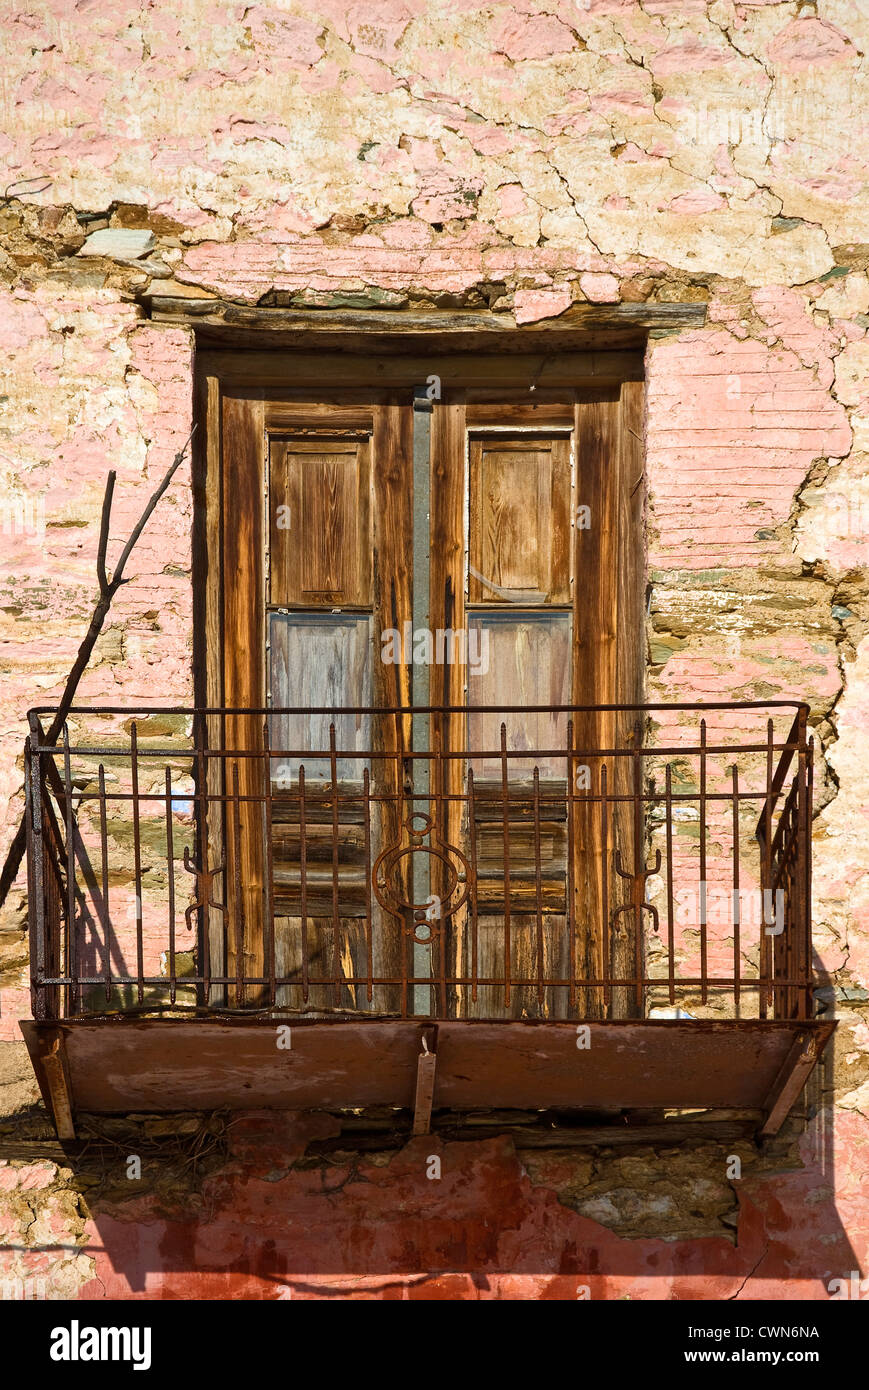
point(421, 682)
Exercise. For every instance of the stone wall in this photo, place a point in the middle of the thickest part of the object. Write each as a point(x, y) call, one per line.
point(522, 157)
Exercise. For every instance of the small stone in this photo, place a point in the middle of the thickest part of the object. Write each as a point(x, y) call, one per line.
point(119, 243)
point(600, 289)
point(156, 268)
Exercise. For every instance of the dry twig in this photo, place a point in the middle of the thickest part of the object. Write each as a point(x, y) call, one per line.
point(108, 588)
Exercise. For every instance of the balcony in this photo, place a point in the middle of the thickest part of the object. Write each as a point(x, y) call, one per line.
point(601, 910)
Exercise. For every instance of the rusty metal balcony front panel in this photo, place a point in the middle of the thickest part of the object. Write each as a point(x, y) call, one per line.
point(437, 866)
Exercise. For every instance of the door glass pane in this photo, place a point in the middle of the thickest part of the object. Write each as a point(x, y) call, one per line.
point(319, 660)
point(524, 660)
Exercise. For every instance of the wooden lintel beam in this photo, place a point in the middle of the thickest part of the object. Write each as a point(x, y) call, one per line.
point(213, 312)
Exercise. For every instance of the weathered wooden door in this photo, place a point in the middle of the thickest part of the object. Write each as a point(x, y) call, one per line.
point(521, 523)
point(537, 551)
point(317, 542)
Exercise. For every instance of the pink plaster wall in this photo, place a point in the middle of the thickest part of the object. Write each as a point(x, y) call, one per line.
point(527, 158)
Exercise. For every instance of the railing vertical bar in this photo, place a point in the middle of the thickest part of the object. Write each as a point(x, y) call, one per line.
point(266, 804)
point(369, 945)
point(765, 994)
point(199, 737)
point(737, 944)
point(303, 885)
point(505, 821)
point(403, 773)
point(640, 872)
point(605, 887)
point(671, 921)
point(640, 868)
point(472, 852)
point(571, 870)
point(795, 929)
point(239, 892)
point(806, 973)
point(704, 887)
point(137, 861)
point(336, 929)
point(71, 952)
point(104, 882)
point(36, 879)
point(538, 885)
point(170, 867)
point(438, 806)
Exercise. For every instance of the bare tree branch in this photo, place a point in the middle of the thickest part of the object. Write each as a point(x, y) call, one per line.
point(107, 590)
point(20, 188)
point(140, 525)
point(104, 534)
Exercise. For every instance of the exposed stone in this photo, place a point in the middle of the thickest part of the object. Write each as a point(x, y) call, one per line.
point(120, 244)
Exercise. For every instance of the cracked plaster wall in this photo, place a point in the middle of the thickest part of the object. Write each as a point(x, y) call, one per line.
point(522, 156)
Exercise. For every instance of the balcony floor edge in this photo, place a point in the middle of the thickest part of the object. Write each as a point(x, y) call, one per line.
point(162, 1065)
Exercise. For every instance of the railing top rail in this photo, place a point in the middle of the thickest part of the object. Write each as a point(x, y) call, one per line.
point(695, 706)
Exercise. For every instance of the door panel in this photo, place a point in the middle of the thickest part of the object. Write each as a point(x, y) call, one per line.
point(319, 661)
point(553, 573)
point(320, 529)
point(519, 554)
point(526, 657)
point(519, 537)
point(329, 486)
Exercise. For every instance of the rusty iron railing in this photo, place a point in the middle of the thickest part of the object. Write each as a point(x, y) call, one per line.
point(544, 862)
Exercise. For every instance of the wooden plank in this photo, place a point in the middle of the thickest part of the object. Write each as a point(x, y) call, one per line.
point(594, 665)
point(321, 952)
point(162, 1065)
point(637, 1128)
point(795, 1071)
point(392, 507)
point(628, 945)
point(318, 374)
point(339, 322)
point(447, 610)
point(212, 660)
point(243, 677)
point(302, 411)
point(487, 408)
point(426, 1073)
point(47, 1047)
point(526, 1001)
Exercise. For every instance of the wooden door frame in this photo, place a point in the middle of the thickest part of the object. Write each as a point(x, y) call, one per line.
point(609, 645)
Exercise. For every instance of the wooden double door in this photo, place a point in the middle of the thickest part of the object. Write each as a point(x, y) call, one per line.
point(413, 579)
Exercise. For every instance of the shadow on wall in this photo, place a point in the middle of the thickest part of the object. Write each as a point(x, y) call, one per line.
point(289, 1208)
